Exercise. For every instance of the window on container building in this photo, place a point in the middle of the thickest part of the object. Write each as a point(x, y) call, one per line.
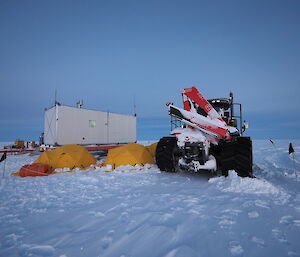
point(92, 123)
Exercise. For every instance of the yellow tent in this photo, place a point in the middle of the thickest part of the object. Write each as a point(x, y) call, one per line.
point(68, 156)
point(131, 154)
point(152, 149)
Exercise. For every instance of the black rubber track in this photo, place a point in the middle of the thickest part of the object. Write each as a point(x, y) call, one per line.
point(243, 157)
point(227, 157)
point(236, 155)
point(165, 152)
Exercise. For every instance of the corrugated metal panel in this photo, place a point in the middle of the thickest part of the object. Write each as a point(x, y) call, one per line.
point(82, 126)
point(121, 128)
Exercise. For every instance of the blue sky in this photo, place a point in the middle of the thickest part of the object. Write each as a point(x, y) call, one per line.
point(110, 52)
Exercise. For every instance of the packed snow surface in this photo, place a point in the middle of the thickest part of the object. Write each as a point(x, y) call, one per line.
point(140, 211)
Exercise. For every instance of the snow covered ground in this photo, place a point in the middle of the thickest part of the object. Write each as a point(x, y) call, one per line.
point(136, 213)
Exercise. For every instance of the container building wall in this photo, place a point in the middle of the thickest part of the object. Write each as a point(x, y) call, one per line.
point(82, 126)
point(50, 126)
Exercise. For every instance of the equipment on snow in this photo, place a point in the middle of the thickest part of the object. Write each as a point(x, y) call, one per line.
point(291, 149)
point(34, 170)
point(210, 137)
point(130, 154)
point(3, 157)
point(67, 156)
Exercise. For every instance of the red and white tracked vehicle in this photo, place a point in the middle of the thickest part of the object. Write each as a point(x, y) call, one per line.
point(210, 137)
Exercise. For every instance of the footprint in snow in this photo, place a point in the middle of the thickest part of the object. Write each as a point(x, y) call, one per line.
point(286, 220)
point(261, 204)
point(258, 241)
point(11, 240)
point(111, 232)
point(248, 204)
point(124, 216)
point(226, 223)
point(253, 214)
point(99, 214)
point(235, 248)
point(37, 250)
point(297, 223)
point(166, 217)
point(228, 218)
point(106, 242)
point(279, 235)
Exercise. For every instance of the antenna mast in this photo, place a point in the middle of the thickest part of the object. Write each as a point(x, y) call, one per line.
point(134, 106)
point(55, 97)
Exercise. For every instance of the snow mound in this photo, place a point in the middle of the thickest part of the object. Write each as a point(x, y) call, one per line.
point(234, 183)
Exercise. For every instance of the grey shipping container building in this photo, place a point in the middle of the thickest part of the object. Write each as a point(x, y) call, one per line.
point(69, 125)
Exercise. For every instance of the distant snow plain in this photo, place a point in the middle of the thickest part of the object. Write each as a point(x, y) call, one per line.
point(141, 211)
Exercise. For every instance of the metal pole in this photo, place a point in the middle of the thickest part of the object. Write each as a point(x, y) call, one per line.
point(3, 168)
point(231, 105)
point(241, 120)
point(107, 122)
point(55, 97)
point(295, 166)
point(134, 106)
point(56, 123)
point(273, 144)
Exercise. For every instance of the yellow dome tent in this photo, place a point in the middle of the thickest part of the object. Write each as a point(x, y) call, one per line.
point(68, 156)
point(131, 154)
point(152, 149)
